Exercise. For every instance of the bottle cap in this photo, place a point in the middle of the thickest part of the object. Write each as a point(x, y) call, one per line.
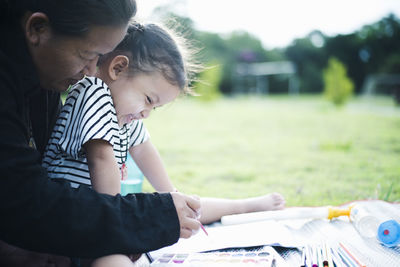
point(389, 233)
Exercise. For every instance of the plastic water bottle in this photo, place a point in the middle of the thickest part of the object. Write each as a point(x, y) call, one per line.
point(133, 184)
point(386, 230)
point(365, 223)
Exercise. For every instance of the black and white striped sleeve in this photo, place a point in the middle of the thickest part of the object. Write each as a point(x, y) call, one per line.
point(139, 133)
point(92, 116)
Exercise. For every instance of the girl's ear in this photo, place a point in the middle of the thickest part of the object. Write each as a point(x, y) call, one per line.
point(118, 65)
point(37, 28)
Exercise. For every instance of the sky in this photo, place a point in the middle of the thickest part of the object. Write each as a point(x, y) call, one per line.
point(276, 22)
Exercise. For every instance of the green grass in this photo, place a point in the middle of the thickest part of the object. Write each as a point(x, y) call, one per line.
point(302, 147)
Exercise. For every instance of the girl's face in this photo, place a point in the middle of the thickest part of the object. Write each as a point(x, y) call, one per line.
point(135, 97)
point(62, 61)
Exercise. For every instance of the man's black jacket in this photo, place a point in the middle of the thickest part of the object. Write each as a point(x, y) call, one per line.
point(48, 216)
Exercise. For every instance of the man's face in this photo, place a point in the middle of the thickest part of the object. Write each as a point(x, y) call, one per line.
point(62, 60)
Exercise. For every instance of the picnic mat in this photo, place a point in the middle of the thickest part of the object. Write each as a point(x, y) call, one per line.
point(289, 236)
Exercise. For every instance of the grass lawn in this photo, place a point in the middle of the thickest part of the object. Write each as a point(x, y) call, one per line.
point(303, 147)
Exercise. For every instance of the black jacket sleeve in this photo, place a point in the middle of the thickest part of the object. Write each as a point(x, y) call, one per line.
point(48, 216)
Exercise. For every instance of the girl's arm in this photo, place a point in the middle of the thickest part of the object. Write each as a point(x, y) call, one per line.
point(104, 172)
point(214, 208)
point(149, 162)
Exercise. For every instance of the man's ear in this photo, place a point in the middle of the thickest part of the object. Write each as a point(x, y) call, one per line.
point(37, 27)
point(118, 65)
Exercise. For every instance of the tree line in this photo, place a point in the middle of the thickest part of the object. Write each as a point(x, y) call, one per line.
point(372, 49)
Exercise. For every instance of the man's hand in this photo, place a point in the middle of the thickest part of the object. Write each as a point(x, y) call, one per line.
point(187, 208)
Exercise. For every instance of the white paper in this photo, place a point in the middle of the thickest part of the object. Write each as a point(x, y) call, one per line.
point(234, 236)
point(285, 214)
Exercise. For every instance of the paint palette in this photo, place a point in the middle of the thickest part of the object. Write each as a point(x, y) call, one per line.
point(265, 257)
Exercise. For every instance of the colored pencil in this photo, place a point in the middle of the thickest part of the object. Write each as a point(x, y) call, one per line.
point(346, 258)
point(336, 258)
point(359, 263)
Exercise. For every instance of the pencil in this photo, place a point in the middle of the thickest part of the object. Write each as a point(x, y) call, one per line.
point(346, 258)
point(149, 257)
point(352, 255)
point(336, 258)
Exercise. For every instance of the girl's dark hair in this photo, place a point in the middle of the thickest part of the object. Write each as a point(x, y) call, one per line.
point(72, 17)
point(151, 47)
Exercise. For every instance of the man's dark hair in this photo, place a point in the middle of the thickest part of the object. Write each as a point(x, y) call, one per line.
point(71, 17)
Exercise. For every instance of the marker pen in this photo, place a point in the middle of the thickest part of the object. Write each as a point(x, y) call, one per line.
point(319, 254)
point(329, 255)
point(314, 256)
point(324, 255)
point(303, 257)
point(308, 256)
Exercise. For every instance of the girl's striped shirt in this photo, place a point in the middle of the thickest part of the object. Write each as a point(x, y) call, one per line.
point(88, 114)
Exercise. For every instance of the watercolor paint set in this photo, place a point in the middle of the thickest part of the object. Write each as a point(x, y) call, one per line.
point(265, 257)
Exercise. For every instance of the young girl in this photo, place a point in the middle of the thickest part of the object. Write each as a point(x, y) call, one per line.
point(100, 122)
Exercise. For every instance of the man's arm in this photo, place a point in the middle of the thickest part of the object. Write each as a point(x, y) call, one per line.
point(48, 216)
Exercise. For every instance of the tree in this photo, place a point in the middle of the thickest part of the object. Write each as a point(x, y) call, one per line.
point(338, 86)
point(309, 59)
